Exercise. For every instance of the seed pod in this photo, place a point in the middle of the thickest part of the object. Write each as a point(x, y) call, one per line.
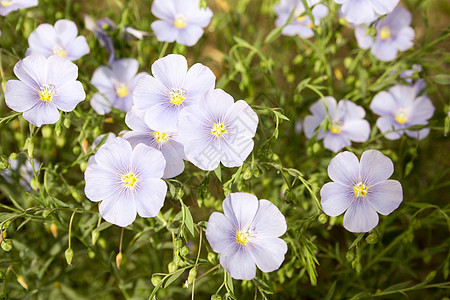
point(69, 256)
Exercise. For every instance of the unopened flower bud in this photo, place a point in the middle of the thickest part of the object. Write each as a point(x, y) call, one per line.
point(192, 275)
point(172, 267)
point(54, 230)
point(67, 123)
point(212, 258)
point(178, 243)
point(22, 282)
point(156, 280)
point(184, 251)
point(85, 145)
point(94, 236)
point(29, 144)
point(372, 239)
point(7, 245)
point(323, 219)
point(118, 260)
point(69, 256)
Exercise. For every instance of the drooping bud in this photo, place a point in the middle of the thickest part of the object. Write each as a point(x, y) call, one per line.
point(85, 145)
point(172, 267)
point(192, 275)
point(7, 245)
point(54, 230)
point(118, 260)
point(156, 280)
point(69, 256)
point(22, 282)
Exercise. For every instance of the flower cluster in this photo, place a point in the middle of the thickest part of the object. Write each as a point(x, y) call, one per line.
point(365, 11)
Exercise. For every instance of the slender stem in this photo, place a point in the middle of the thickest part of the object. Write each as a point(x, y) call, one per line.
point(70, 226)
point(121, 239)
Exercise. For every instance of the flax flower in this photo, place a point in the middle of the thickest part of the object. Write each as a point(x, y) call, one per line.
point(365, 11)
point(45, 85)
point(361, 188)
point(247, 235)
point(127, 181)
point(7, 6)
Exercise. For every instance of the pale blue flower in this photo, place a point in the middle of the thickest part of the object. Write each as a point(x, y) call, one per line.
point(346, 123)
point(409, 75)
point(361, 188)
point(100, 28)
point(45, 85)
point(365, 11)
point(301, 24)
point(171, 89)
point(247, 235)
point(116, 83)
point(181, 21)
point(21, 171)
point(7, 6)
point(400, 108)
point(60, 39)
point(216, 130)
point(127, 181)
point(166, 142)
point(109, 138)
point(393, 34)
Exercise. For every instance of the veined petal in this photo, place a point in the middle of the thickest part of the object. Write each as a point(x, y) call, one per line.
point(240, 209)
point(103, 79)
point(148, 92)
point(69, 95)
point(234, 153)
point(164, 31)
point(360, 217)
point(174, 162)
point(42, 40)
point(171, 70)
point(344, 169)
point(100, 183)
point(189, 35)
point(268, 253)
point(269, 221)
point(77, 48)
point(61, 71)
point(383, 104)
point(118, 209)
point(199, 80)
point(115, 156)
point(162, 117)
point(42, 113)
point(335, 142)
point(125, 69)
point(356, 130)
point(100, 104)
point(386, 124)
point(386, 196)
point(238, 262)
point(219, 232)
point(147, 161)
point(135, 120)
point(336, 198)
point(375, 167)
point(163, 9)
point(32, 70)
point(66, 31)
point(149, 197)
point(243, 118)
point(19, 96)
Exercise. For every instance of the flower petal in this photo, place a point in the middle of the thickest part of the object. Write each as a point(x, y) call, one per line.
point(32, 70)
point(269, 221)
point(386, 124)
point(385, 196)
point(125, 69)
point(344, 169)
point(19, 96)
point(171, 70)
point(77, 48)
point(335, 142)
point(238, 262)
point(383, 104)
point(148, 161)
point(360, 217)
point(115, 156)
point(42, 113)
point(165, 31)
point(149, 197)
point(163, 117)
point(100, 183)
point(189, 35)
point(174, 162)
point(356, 130)
point(148, 92)
point(240, 209)
point(268, 253)
point(69, 95)
point(100, 104)
point(375, 167)
point(243, 118)
point(61, 71)
point(199, 80)
point(119, 210)
point(219, 232)
point(336, 198)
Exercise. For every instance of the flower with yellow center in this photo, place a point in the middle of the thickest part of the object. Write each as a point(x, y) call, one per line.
point(385, 33)
point(180, 21)
point(218, 129)
point(6, 3)
point(58, 50)
point(401, 116)
point(177, 96)
point(161, 136)
point(122, 89)
point(242, 237)
point(129, 180)
point(336, 127)
point(46, 92)
point(360, 190)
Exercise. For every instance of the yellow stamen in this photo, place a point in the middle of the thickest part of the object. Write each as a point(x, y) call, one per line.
point(336, 127)
point(59, 51)
point(401, 116)
point(6, 3)
point(161, 136)
point(310, 25)
point(122, 89)
point(46, 92)
point(360, 190)
point(180, 21)
point(385, 33)
point(301, 18)
point(242, 237)
point(129, 180)
point(177, 96)
point(218, 129)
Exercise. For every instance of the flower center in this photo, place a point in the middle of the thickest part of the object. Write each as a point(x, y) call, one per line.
point(129, 180)
point(180, 21)
point(46, 92)
point(6, 3)
point(360, 190)
point(336, 127)
point(177, 96)
point(122, 89)
point(385, 33)
point(401, 117)
point(218, 129)
point(242, 237)
point(58, 50)
point(161, 136)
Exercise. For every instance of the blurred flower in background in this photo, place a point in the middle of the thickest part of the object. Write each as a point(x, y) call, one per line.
point(21, 171)
point(365, 11)
point(101, 29)
point(7, 6)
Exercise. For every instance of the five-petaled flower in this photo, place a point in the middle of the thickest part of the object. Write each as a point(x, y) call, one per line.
point(181, 21)
point(365, 11)
point(216, 130)
point(346, 123)
point(247, 235)
point(61, 40)
point(45, 85)
point(127, 181)
point(361, 189)
point(401, 108)
point(172, 89)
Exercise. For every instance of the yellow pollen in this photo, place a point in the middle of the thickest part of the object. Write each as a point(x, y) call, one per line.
point(218, 129)
point(310, 25)
point(336, 127)
point(59, 51)
point(401, 117)
point(5, 3)
point(301, 18)
point(129, 180)
point(385, 33)
point(46, 92)
point(177, 96)
point(161, 136)
point(360, 190)
point(180, 21)
point(242, 237)
point(122, 90)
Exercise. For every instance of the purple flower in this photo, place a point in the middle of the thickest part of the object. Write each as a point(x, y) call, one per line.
point(409, 75)
point(127, 181)
point(109, 138)
point(361, 188)
point(21, 171)
point(393, 34)
point(345, 121)
point(216, 130)
point(181, 21)
point(61, 40)
point(172, 89)
point(7, 6)
point(401, 108)
point(100, 28)
point(365, 11)
point(301, 23)
point(45, 85)
point(166, 142)
point(117, 84)
point(247, 235)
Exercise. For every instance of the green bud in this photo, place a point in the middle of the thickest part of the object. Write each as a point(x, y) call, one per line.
point(180, 193)
point(91, 254)
point(216, 297)
point(177, 260)
point(212, 258)
point(372, 239)
point(60, 141)
point(4, 164)
point(247, 174)
point(47, 132)
point(192, 275)
point(67, 123)
point(58, 130)
point(13, 156)
point(172, 267)
point(203, 4)
point(83, 166)
point(76, 150)
point(156, 280)
point(178, 243)
point(323, 219)
point(69, 256)
point(94, 236)
point(184, 251)
point(102, 243)
point(430, 276)
point(6, 224)
point(7, 245)
point(34, 184)
point(29, 144)
point(350, 256)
